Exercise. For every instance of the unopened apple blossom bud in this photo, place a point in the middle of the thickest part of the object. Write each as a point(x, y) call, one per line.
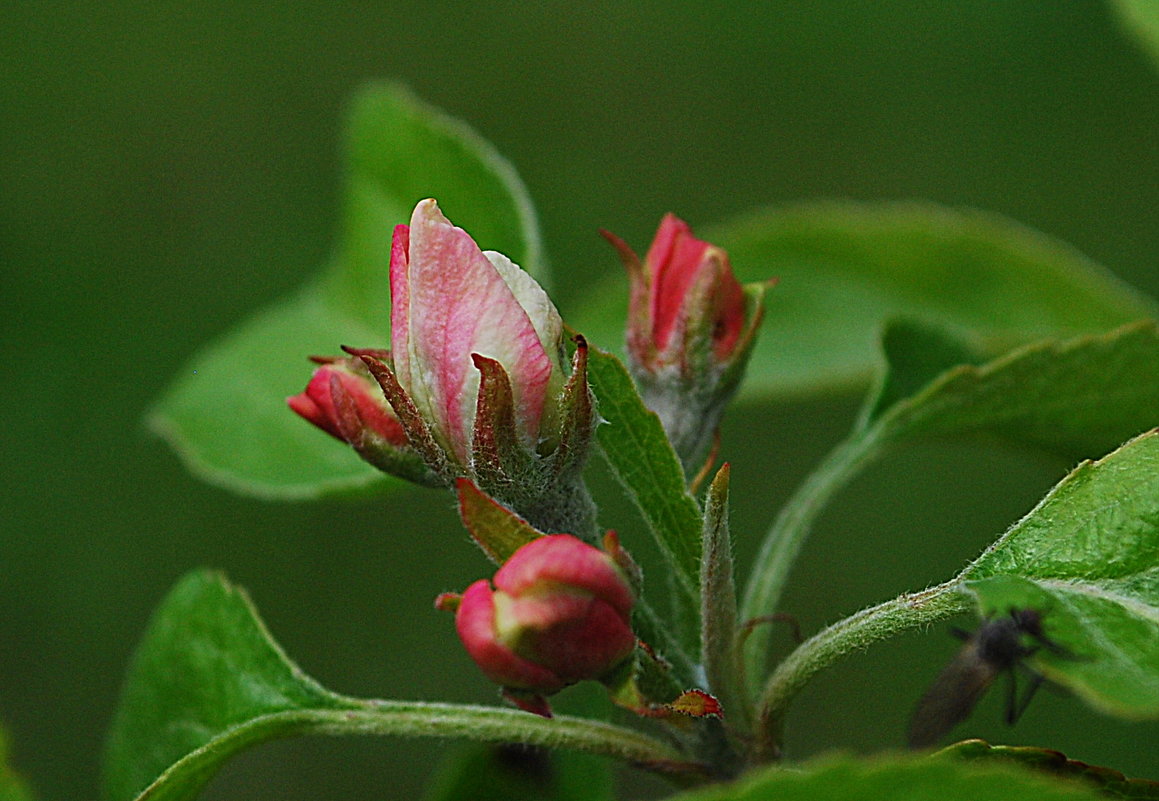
point(344, 400)
point(558, 613)
point(691, 328)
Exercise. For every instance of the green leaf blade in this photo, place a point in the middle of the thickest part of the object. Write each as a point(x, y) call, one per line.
point(1111, 781)
point(206, 672)
point(225, 415)
point(1087, 557)
point(208, 681)
point(1079, 398)
point(636, 448)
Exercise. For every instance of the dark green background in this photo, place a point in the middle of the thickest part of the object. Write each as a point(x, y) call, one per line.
point(167, 168)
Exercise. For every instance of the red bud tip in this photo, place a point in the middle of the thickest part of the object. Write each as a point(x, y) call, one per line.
point(448, 601)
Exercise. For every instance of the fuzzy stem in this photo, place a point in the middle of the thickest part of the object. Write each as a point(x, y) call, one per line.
point(491, 724)
point(854, 633)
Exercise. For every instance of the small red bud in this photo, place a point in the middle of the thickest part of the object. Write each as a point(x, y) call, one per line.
point(345, 402)
point(559, 613)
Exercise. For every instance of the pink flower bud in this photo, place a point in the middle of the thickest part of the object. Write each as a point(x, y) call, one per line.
point(451, 301)
point(345, 402)
point(559, 613)
point(691, 327)
point(685, 300)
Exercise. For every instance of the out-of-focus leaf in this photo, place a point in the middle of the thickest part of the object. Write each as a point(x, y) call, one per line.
point(1080, 398)
point(12, 785)
point(897, 778)
point(1111, 782)
point(226, 416)
point(845, 268)
point(1141, 17)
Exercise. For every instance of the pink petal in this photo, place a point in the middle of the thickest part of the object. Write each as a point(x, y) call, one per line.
point(475, 624)
point(568, 561)
point(454, 304)
point(674, 261)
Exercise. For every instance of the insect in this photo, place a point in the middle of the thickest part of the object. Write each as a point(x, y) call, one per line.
point(998, 646)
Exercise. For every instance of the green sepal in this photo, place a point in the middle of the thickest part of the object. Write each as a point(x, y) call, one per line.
point(497, 530)
point(720, 654)
point(417, 430)
point(499, 460)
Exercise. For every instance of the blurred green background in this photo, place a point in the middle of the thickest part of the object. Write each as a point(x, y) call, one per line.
point(170, 167)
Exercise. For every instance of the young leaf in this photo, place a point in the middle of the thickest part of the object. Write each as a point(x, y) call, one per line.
point(1110, 781)
point(844, 268)
point(226, 415)
point(636, 448)
point(847, 778)
point(916, 352)
point(718, 615)
point(208, 681)
point(1087, 557)
point(1080, 398)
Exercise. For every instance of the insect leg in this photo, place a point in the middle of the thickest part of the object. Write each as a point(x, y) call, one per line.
point(1016, 707)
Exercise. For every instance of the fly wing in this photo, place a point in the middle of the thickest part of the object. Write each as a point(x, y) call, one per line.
point(951, 697)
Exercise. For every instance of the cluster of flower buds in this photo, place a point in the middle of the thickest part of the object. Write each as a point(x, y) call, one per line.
point(691, 328)
point(475, 393)
point(475, 380)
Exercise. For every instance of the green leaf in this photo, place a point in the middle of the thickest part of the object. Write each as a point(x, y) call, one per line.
point(208, 681)
point(1087, 557)
point(898, 778)
point(1141, 18)
point(12, 785)
point(225, 415)
point(1080, 398)
point(1111, 782)
point(476, 772)
point(845, 268)
point(638, 451)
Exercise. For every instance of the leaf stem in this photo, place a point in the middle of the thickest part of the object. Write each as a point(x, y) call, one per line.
point(785, 538)
point(854, 633)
